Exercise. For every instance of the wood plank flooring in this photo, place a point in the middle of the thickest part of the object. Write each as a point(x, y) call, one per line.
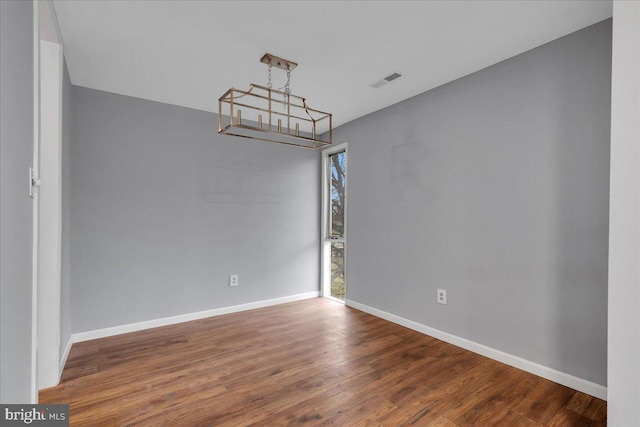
point(313, 362)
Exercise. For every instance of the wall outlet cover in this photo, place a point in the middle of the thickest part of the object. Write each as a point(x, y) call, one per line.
point(233, 280)
point(442, 296)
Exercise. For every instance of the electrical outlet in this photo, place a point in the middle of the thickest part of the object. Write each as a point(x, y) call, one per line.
point(442, 296)
point(233, 280)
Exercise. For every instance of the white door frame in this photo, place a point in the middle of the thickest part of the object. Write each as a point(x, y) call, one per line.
point(325, 250)
point(48, 230)
point(35, 206)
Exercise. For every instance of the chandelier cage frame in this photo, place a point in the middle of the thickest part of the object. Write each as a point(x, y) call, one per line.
point(273, 115)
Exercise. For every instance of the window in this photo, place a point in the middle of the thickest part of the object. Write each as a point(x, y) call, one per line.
point(334, 229)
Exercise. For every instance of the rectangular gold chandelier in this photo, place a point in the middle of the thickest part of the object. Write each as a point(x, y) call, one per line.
point(273, 115)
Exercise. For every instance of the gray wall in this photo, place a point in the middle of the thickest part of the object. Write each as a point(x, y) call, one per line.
point(16, 154)
point(495, 188)
point(65, 271)
point(163, 209)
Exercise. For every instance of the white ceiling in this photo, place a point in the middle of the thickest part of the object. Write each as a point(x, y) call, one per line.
point(188, 53)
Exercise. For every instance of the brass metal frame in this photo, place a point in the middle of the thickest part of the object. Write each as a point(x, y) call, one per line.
point(313, 120)
point(237, 99)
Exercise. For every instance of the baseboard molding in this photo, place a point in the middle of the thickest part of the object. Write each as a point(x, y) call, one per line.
point(571, 381)
point(155, 323)
point(65, 355)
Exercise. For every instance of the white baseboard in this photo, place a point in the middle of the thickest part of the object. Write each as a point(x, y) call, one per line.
point(65, 355)
point(164, 321)
point(576, 383)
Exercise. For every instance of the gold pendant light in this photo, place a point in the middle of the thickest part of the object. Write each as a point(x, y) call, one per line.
point(273, 115)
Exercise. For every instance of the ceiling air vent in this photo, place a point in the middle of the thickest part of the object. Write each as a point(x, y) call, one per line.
point(389, 78)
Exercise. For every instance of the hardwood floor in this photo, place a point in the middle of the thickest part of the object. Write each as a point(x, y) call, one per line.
point(313, 362)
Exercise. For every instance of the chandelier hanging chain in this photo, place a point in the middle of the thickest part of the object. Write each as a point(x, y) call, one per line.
point(269, 85)
point(287, 87)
